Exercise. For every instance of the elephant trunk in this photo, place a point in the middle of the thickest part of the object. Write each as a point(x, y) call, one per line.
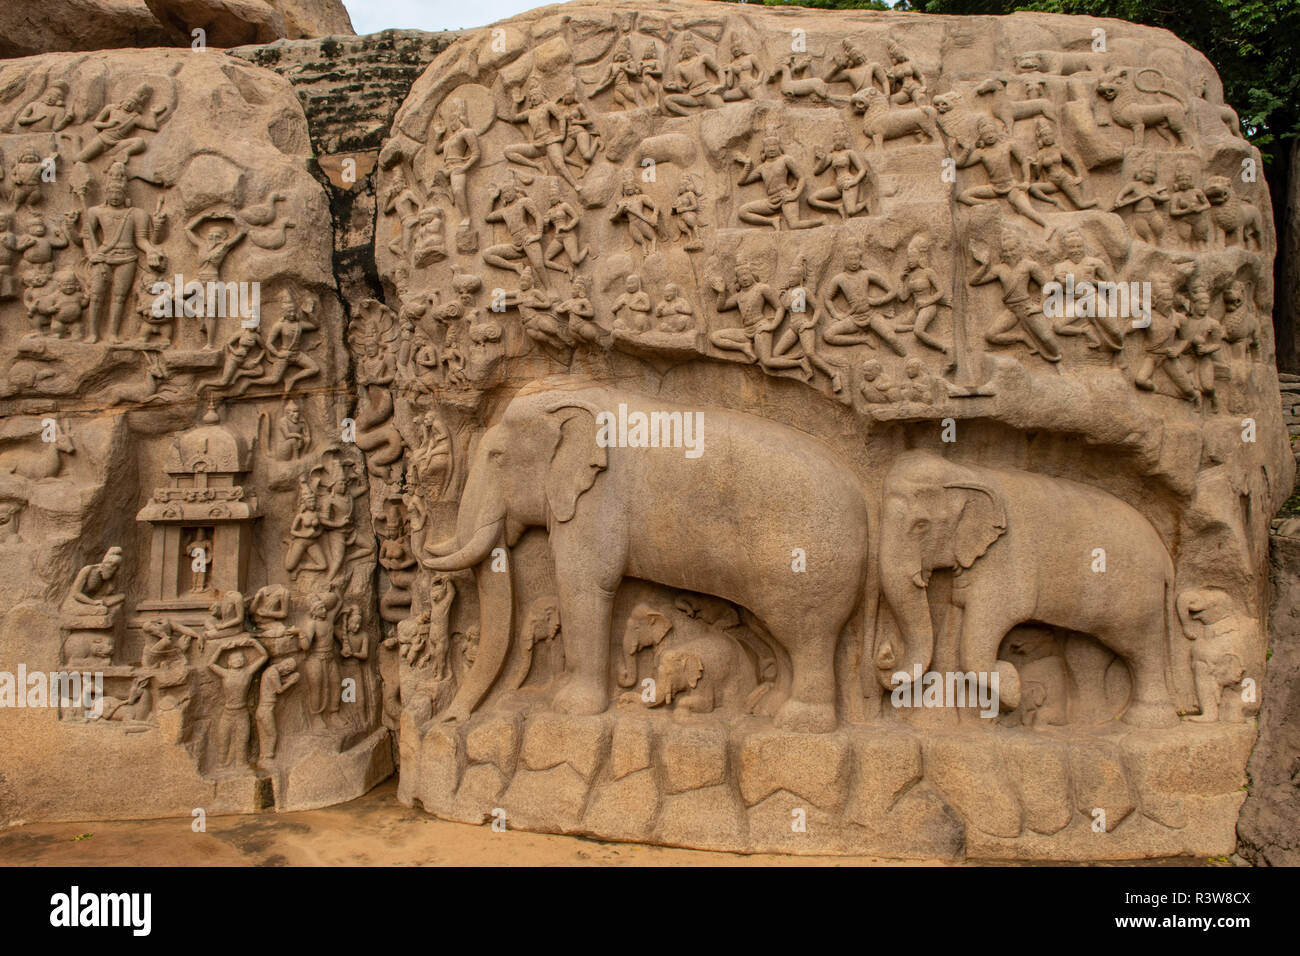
point(627, 663)
point(905, 590)
point(496, 608)
point(452, 555)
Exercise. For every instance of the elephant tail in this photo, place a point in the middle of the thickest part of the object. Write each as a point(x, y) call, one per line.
point(1178, 667)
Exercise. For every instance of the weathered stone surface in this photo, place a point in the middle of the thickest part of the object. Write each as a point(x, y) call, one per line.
point(1100, 784)
point(444, 518)
point(971, 776)
point(693, 757)
point(624, 808)
point(552, 739)
point(1267, 826)
point(27, 29)
point(815, 770)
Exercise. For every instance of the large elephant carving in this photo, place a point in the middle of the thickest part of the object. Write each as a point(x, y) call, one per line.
point(1023, 548)
point(726, 523)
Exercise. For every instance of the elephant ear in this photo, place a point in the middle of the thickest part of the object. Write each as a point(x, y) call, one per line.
point(692, 669)
point(982, 520)
point(577, 460)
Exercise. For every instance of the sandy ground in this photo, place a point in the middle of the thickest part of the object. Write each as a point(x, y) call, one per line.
point(373, 831)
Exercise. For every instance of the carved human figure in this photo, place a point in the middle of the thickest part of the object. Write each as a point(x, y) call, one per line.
point(304, 535)
point(243, 362)
point(906, 83)
point(199, 551)
point(1189, 208)
point(1204, 337)
point(862, 323)
point(631, 310)
point(1164, 344)
point(525, 223)
point(49, 114)
point(563, 222)
point(920, 284)
point(875, 386)
point(622, 74)
point(213, 245)
point(686, 212)
point(412, 640)
point(580, 134)
point(537, 316)
point(442, 595)
point(155, 316)
point(545, 123)
point(293, 433)
point(675, 314)
point(696, 80)
point(1007, 165)
point(1023, 320)
point(321, 665)
point(1078, 273)
point(744, 77)
point(117, 124)
point(233, 726)
point(781, 200)
point(1061, 169)
point(850, 64)
point(639, 213)
point(752, 299)
point(459, 146)
point(168, 639)
point(849, 167)
point(114, 236)
point(38, 246)
point(802, 313)
point(581, 314)
point(25, 174)
point(1144, 197)
point(63, 308)
point(94, 589)
point(269, 609)
point(276, 679)
point(285, 347)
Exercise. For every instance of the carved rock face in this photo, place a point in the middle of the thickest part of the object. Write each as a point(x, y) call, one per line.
point(949, 235)
point(911, 367)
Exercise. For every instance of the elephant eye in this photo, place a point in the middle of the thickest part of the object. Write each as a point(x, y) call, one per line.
point(495, 454)
point(920, 524)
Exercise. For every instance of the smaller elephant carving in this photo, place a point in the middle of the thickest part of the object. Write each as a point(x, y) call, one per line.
point(697, 667)
point(1044, 681)
point(1225, 654)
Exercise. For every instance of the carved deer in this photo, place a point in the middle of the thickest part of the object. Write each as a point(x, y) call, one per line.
point(39, 462)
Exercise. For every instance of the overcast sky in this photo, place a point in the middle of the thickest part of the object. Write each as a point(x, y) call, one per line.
point(369, 16)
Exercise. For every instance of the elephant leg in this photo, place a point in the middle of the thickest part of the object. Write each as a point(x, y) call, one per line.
point(811, 707)
point(982, 629)
point(1151, 705)
point(585, 611)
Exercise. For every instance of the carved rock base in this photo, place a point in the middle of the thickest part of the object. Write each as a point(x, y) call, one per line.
point(865, 790)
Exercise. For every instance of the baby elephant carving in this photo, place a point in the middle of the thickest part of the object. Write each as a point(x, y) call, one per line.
point(697, 667)
point(1225, 654)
